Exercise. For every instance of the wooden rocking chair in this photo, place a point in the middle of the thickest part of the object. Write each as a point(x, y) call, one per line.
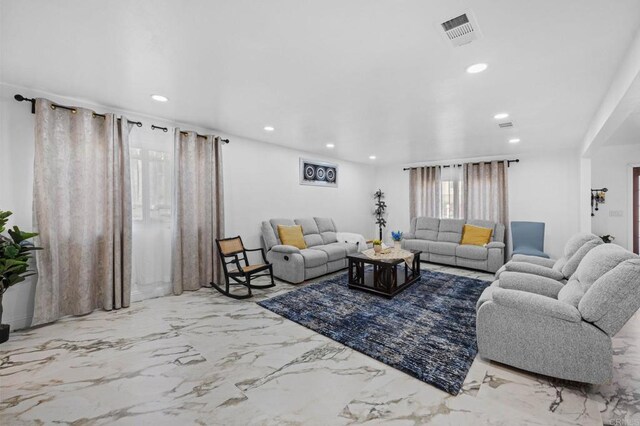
point(242, 274)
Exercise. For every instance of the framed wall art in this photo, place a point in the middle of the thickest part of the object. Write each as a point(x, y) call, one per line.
point(318, 173)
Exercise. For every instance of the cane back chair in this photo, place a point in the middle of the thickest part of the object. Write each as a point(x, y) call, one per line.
point(233, 253)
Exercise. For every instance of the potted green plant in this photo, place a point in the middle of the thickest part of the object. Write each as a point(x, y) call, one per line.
point(377, 246)
point(15, 252)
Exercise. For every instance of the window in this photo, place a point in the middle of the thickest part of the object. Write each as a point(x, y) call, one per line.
point(151, 185)
point(451, 199)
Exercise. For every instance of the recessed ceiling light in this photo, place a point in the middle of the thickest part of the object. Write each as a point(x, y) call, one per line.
point(269, 128)
point(159, 98)
point(514, 140)
point(372, 157)
point(330, 145)
point(476, 68)
point(501, 116)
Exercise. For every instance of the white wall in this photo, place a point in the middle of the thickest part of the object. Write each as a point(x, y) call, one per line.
point(545, 187)
point(610, 168)
point(542, 187)
point(261, 182)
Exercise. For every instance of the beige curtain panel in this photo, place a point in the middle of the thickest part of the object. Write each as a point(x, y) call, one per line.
point(82, 211)
point(424, 191)
point(486, 191)
point(199, 211)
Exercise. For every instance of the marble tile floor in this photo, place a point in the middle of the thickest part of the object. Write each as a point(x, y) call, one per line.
point(201, 358)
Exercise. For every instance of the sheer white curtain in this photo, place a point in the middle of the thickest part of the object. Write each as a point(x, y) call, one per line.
point(152, 193)
point(451, 190)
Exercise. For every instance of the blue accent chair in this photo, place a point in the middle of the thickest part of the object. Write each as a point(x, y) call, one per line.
point(528, 238)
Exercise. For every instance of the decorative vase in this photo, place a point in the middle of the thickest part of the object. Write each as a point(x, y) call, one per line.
point(377, 248)
point(397, 245)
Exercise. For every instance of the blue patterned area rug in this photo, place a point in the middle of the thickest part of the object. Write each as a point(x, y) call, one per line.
point(427, 331)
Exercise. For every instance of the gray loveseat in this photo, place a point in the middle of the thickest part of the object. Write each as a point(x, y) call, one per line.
point(439, 242)
point(323, 254)
point(562, 331)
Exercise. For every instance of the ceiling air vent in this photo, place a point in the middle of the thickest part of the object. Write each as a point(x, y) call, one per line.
point(505, 125)
point(461, 30)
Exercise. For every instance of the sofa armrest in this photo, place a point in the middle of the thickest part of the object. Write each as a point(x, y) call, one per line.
point(531, 268)
point(281, 248)
point(537, 304)
point(408, 236)
point(530, 283)
point(494, 244)
point(533, 259)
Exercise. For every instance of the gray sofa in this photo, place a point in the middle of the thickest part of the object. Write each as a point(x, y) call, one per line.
point(561, 269)
point(566, 332)
point(324, 254)
point(439, 242)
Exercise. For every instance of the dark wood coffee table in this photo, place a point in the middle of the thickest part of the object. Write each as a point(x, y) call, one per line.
point(384, 277)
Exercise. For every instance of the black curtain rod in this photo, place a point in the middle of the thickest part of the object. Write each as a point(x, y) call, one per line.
point(203, 136)
point(21, 98)
point(517, 160)
point(165, 129)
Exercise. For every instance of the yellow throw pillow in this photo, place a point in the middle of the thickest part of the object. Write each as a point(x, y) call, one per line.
point(476, 235)
point(292, 236)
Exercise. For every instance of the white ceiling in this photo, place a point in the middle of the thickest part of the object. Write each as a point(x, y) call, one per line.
point(371, 76)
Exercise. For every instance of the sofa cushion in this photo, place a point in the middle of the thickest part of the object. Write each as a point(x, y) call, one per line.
point(416, 244)
point(450, 230)
point(614, 297)
point(329, 237)
point(571, 293)
point(309, 225)
point(424, 234)
point(599, 261)
point(313, 257)
point(333, 251)
point(313, 240)
point(573, 262)
point(427, 228)
point(577, 241)
point(472, 252)
point(268, 235)
point(274, 224)
point(350, 248)
point(325, 224)
point(443, 248)
point(310, 231)
point(291, 236)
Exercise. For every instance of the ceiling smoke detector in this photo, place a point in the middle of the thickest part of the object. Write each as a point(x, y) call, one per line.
point(462, 29)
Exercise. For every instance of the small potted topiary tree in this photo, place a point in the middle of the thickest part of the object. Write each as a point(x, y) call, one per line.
point(15, 252)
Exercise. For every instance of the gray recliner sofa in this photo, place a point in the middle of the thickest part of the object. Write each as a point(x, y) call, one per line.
point(439, 242)
point(324, 254)
point(569, 335)
point(561, 269)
